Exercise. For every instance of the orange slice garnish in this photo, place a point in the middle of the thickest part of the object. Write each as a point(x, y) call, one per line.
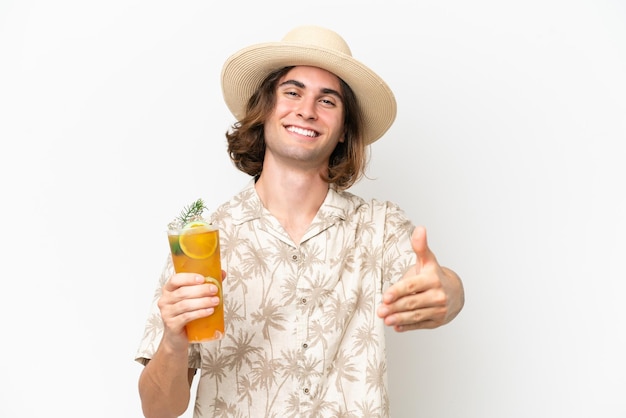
point(197, 241)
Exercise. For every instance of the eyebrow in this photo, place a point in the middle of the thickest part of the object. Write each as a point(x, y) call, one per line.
point(301, 85)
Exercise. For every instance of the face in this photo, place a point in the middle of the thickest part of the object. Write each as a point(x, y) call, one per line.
point(307, 121)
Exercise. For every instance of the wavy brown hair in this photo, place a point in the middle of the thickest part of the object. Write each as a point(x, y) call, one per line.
point(246, 140)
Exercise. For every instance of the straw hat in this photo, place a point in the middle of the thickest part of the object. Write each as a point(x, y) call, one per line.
point(244, 71)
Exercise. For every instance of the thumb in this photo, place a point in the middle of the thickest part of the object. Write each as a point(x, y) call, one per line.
point(420, 246)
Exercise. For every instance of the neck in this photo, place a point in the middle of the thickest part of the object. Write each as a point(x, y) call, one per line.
point(292, 197)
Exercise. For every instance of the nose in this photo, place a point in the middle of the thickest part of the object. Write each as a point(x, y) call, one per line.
point(306, 109)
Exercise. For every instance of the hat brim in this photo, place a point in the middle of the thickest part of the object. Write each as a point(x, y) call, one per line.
point(244, 71)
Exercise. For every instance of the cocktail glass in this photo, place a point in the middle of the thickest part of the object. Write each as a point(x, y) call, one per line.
point(195, 248)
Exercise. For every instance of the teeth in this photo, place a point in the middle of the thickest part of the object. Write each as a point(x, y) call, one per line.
point(301, 131)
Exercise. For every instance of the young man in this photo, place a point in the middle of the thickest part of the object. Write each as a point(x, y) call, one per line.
point(314, 272)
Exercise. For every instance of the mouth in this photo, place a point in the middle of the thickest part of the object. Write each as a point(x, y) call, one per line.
point(301, 131)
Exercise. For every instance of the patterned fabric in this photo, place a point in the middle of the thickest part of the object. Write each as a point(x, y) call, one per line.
point(302, 335)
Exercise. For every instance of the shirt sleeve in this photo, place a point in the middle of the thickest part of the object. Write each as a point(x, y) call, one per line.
point(398, 254)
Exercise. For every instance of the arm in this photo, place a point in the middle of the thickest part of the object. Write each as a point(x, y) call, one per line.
point(165, 382)
point(427, 296)
point(164, 386)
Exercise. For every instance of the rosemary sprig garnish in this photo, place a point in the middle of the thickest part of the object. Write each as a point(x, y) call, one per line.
point(192, 211)
point(189, 213)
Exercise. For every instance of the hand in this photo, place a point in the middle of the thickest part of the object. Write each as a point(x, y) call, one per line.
point(427, 296)
point(185, 297)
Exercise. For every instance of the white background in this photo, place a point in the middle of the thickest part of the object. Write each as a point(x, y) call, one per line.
point(508, 147)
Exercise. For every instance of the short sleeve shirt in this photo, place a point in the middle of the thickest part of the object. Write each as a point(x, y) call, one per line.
point(302, 335)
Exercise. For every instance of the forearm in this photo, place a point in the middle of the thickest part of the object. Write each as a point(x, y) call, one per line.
point(164, 386)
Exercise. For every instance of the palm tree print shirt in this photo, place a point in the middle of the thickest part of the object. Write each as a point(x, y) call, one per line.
point(302, 336)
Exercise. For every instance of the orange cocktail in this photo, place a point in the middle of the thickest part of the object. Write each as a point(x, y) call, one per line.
point(195, 248)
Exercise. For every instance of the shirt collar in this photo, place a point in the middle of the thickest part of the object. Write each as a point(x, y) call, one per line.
point(246, 206)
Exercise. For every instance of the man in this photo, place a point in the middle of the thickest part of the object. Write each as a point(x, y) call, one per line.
point(314, 272)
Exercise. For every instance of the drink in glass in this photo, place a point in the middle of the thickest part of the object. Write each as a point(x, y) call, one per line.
point(195, 248)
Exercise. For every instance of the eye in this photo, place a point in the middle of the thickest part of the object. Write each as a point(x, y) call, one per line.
point(328, 102)
point(289, 92)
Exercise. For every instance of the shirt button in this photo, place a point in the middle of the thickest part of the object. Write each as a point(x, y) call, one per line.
point(305, 345)
point(306, 391)
point(303, 301)
point(294, 257)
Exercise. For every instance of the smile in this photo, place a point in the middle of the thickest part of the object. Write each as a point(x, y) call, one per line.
point(301, 131)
